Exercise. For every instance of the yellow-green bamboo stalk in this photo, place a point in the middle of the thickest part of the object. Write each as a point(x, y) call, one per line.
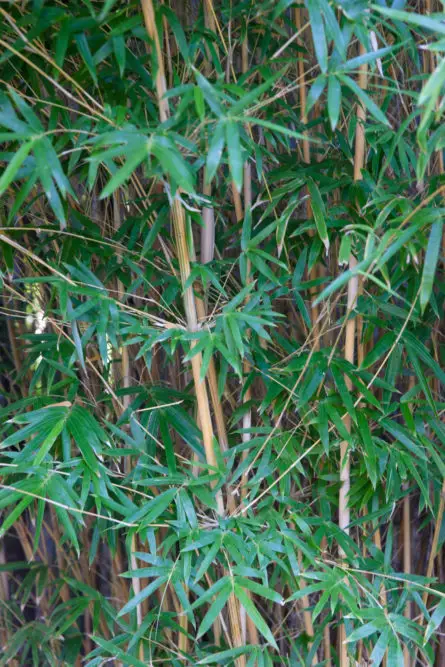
point(349, 350)
point(190, 310)
point(307, 618)
point(125, 379)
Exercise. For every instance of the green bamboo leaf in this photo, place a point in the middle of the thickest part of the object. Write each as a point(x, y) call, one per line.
point(280, 129)
point(215, 152)
point(430, 263)
point(334, 100)
point(395, 653)
point(421, 377)
point(261, 236)
point(120, 52)
point(113, 649)
point(142, 595)
point(79, 425)
point(211, 592)
point(222, 656)
point(432, 89)
point(260, 589)
point(208, 559)
point(315, 91)
point(234, 151)
point(403, 437)
point(67, 525)
point(15, 514)
point(435, 620)
point(177, 30)
point(210, 93)
point(164, 428)
point(14, 165)
point(418, 20)
point(199, 102)
point(49, 441)
point(342, 279)
point(122, 175)
point(333, 30)
point(215, 609)
point(318, 33)
point(84, 50)
point(249, 98)
point(369, 448)
point(379, 349)
point(151, 510)
point(319, 211)
point(39, 524)
point(354, 63)
point(188, 508)
point(254, 615)
point(343, 390)
point(380, 647)
point(369, 104)
point(172, 162)
point(63, 37)
point(262, 267)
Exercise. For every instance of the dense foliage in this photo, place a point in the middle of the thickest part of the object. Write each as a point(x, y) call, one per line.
point(222, 298)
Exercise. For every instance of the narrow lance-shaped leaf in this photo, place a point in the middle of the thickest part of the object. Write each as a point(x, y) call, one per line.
point(234, 150)
point(215, 151)
point(370, 105)
point(430, 263)
point(215, 609)
point(254, 614)
point(319, 212)
point(14, 165)
point(318, 33)
point(122, 175)
point(334, 100)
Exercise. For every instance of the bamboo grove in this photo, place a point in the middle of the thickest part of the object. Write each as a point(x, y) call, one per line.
point(221, 334)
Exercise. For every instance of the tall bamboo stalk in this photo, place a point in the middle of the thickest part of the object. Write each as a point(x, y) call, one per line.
point(247, 395)
point(407, 558)
point(407, 562)
point(4, 596)
point(349, 349)
point(125, 379)
point(208, 214)
point(307, 159)
point(206, 255)
point(191, 314)
point(247, 188)
point(307, 618)
point(179, 226)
